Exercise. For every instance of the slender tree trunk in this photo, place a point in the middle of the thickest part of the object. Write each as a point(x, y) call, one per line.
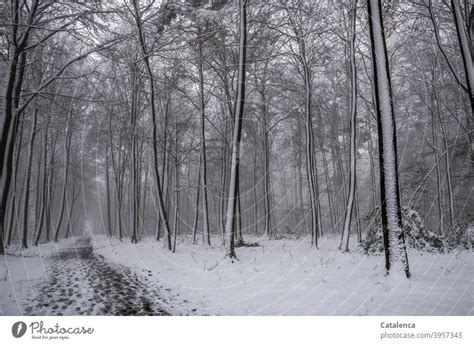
point(44, 193)
point(107, 191)
point(339, 167)
point(237, 135)
point(133, 217)
point(38, 196)
point(344, 246)
point(310, 157)
point(159, 192)
point(224, 178)
point(198, 192)
point(446, 160)
point(465, 50)
point(255, 199)
point(239, 240)
point(439, 187)
point(205, 207)
point(164, 166)
point(310, 148)
point(358, 220)
point(396, 259)
point(144, 201)
point(71, 210)
point(117, 168)
point(266, 167)
point(15, 202)
point(328, 183)
point(50, 197)
point(176, 193)
point(26, 196)
point(67, 147)
point(299, 163)
point(372, 169)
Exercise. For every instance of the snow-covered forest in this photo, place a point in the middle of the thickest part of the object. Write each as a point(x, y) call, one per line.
point(236, 157)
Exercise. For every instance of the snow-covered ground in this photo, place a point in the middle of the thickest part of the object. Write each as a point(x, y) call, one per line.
point(278, 277)
point(71, 279)
point(288, 277)
point(22, 270)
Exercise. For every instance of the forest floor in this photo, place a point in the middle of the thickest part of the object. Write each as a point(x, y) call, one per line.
point(288, 277)
point(102, 276)
point(73, 280)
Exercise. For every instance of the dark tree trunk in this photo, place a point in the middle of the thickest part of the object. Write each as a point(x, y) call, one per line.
point(237, 135)
point(396, 259)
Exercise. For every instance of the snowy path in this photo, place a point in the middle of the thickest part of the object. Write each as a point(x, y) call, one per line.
point(289, 277)
point(82, 283)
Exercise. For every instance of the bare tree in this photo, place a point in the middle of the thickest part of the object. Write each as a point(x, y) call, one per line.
point(145, 55)
point(396, 259)
point(352, 176)
point(237, 134)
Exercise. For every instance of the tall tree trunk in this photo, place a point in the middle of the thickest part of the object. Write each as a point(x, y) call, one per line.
point(8, 133)
point(310, 157)
point(38, 195)
point(237, 135)
point(10, 119)
point(266, 166)
point(144, 215)
point(15, 202)
point(352, 176)
point(117, 180)
point(328, 183)
point(396, 259)
point(71, 210)
point(107, 191)
point(198, 193)
point(44, 194)
point(159, 192)
point(176, 192)
point(165, 176)
point(224, 176)
point(26, 196)
point(299, 163)
point(255, 199)
point(310, 148)
point(205, 207)
point(239, 240)
point(446, 159)
point(373, 184)
point(358, 220)
point(465, 50)
point(50, 198)
point(67, 147)
point(439, 187)
point(133, 217)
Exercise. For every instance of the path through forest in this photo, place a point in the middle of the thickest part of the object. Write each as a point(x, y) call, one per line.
point(81, 282)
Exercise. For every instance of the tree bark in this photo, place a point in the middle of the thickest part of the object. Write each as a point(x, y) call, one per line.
point(67, 148)
point(26, 196)
point(205, 206)
point(159, 192)
point(237, 135)
point(396, 259)
point(107, 191)
point(344, 246)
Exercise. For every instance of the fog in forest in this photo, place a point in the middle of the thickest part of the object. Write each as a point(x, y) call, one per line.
point(263, 145)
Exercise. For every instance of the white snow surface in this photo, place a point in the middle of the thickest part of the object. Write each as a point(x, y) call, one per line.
point(22, 270)
point(279, 277)
point(288, 277)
